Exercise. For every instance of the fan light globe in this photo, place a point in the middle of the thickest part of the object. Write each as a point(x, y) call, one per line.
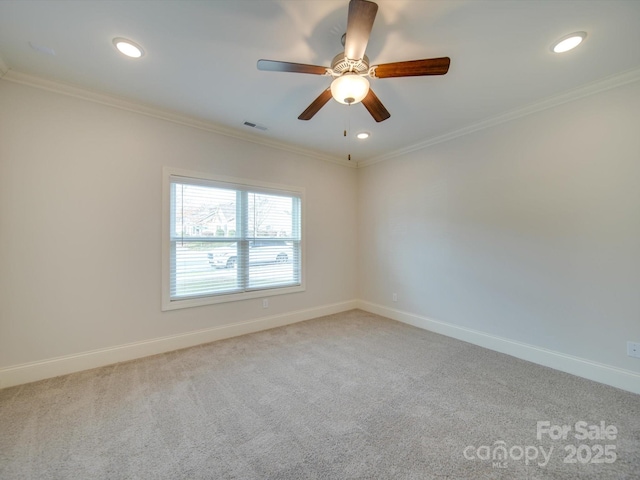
point(349, 88)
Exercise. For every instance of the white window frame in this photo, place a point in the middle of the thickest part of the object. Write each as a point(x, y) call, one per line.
point(167, 302)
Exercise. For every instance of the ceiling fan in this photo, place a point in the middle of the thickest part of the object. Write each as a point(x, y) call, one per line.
point(351, 67)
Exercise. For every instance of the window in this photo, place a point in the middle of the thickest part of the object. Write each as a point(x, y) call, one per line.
point(229, 239)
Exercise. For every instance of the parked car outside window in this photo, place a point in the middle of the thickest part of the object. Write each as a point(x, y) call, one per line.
point(260, 252)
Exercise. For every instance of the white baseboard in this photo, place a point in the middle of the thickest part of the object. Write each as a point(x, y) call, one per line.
point(599, 372)
point(53, 367)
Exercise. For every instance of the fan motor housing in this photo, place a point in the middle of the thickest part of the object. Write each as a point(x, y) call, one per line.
point(341, 64)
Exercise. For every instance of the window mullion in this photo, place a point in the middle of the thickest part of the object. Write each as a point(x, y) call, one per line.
point(242, 206)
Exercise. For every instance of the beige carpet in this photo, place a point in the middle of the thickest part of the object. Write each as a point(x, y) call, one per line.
point(348, 396)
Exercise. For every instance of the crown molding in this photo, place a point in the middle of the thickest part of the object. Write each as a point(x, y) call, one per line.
point(150, 111)
point(586, 90)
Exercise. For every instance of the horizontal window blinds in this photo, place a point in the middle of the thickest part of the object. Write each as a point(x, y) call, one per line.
point(228, 238)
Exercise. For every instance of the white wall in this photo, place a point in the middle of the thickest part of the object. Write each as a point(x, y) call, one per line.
point(80, 224)
point(528, 231)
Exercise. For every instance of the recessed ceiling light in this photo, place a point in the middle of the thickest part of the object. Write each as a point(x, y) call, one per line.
point(128, 48)
point(363, 135)
point(568, 42)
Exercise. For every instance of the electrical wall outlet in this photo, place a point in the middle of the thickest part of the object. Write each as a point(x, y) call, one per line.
point(265, 303)
point(633, 349)
point(395, 297)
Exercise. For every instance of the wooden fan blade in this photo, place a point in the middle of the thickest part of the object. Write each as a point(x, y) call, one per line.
point(276, 66)
point(413, 68)
point(316, 105)
point(373, 104)
point(362, 14)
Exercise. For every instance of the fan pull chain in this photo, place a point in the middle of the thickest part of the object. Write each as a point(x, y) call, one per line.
point(349, 129)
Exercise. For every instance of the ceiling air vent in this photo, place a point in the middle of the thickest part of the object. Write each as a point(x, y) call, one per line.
point(255, 125)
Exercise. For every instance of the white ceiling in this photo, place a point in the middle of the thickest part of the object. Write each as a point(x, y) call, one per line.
point(201, 58)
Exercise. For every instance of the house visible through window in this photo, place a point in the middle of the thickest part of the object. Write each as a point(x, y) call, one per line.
point(229, 239)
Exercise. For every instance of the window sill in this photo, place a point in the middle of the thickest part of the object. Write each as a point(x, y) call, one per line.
point(168, 305)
